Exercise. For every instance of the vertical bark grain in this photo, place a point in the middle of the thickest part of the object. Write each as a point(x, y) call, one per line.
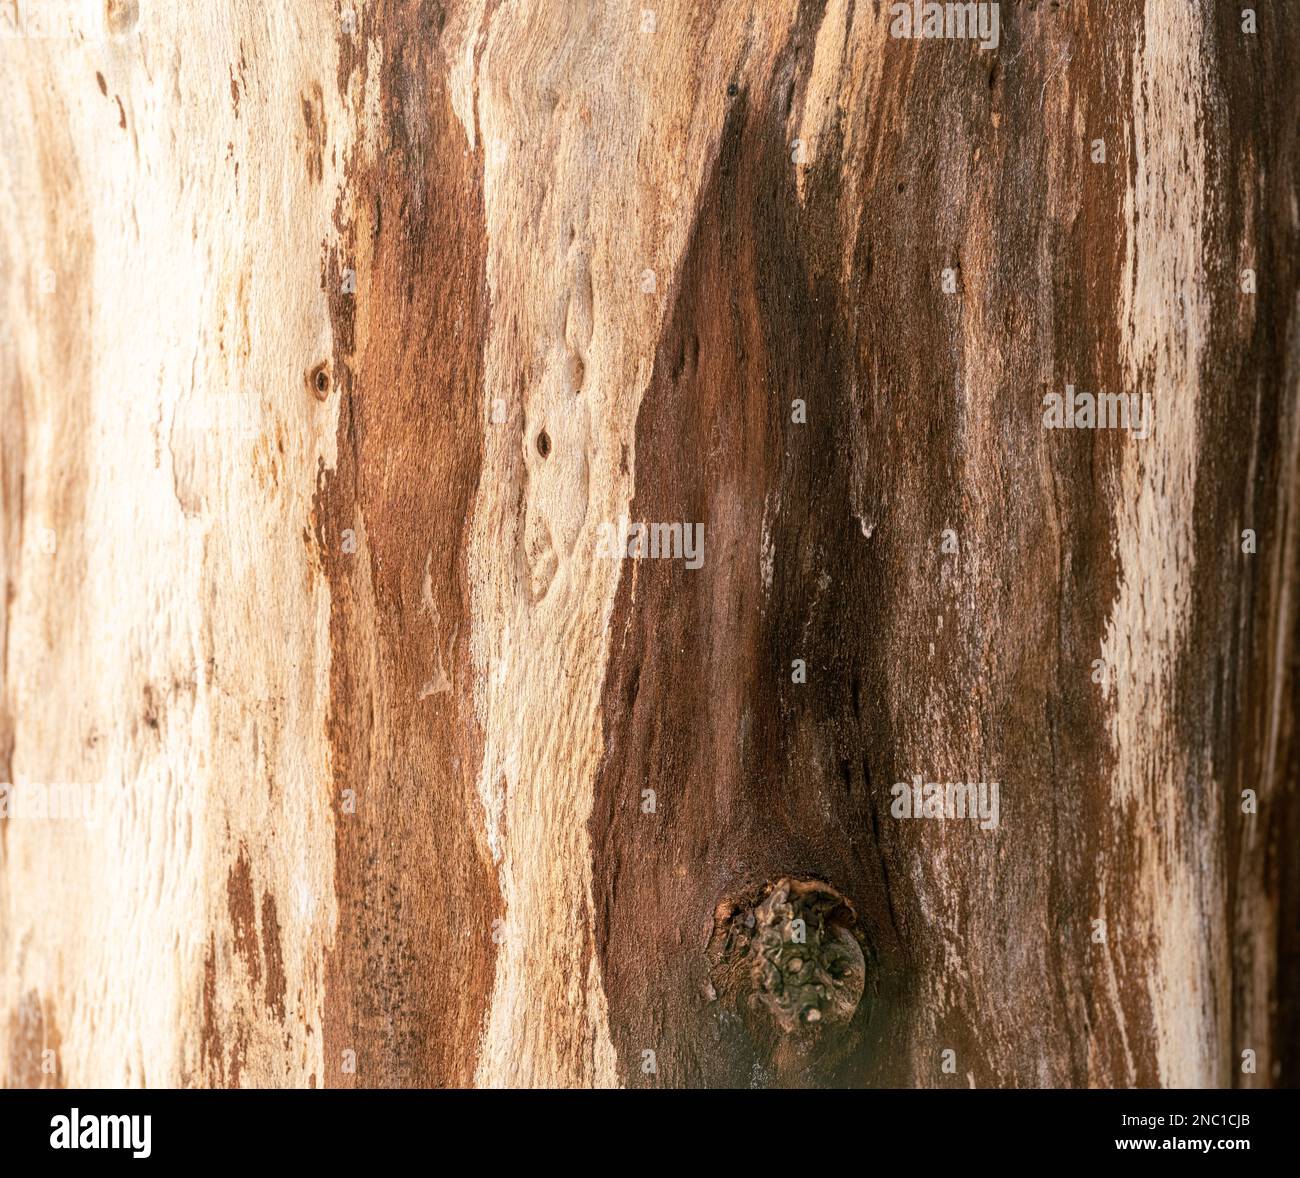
point(335, 335)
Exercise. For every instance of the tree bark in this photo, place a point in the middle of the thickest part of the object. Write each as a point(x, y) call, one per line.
point(338, 341)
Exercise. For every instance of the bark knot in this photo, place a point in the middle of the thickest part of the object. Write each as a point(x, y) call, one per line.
point(790, 950)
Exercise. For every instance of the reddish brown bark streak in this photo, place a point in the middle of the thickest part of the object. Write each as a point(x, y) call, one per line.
point(411, 971)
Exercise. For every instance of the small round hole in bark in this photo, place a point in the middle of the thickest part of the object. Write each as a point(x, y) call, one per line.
point(543, 443)
point(318, 381)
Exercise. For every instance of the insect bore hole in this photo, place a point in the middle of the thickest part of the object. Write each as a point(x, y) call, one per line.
point(543, 443)
point(318, 381)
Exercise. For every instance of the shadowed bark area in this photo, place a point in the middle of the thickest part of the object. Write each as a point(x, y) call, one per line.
point(966, 655)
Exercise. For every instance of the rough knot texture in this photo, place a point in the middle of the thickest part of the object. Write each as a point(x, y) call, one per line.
point(794, 956)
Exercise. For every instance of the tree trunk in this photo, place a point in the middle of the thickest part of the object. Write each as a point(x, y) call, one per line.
point(343, 349)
